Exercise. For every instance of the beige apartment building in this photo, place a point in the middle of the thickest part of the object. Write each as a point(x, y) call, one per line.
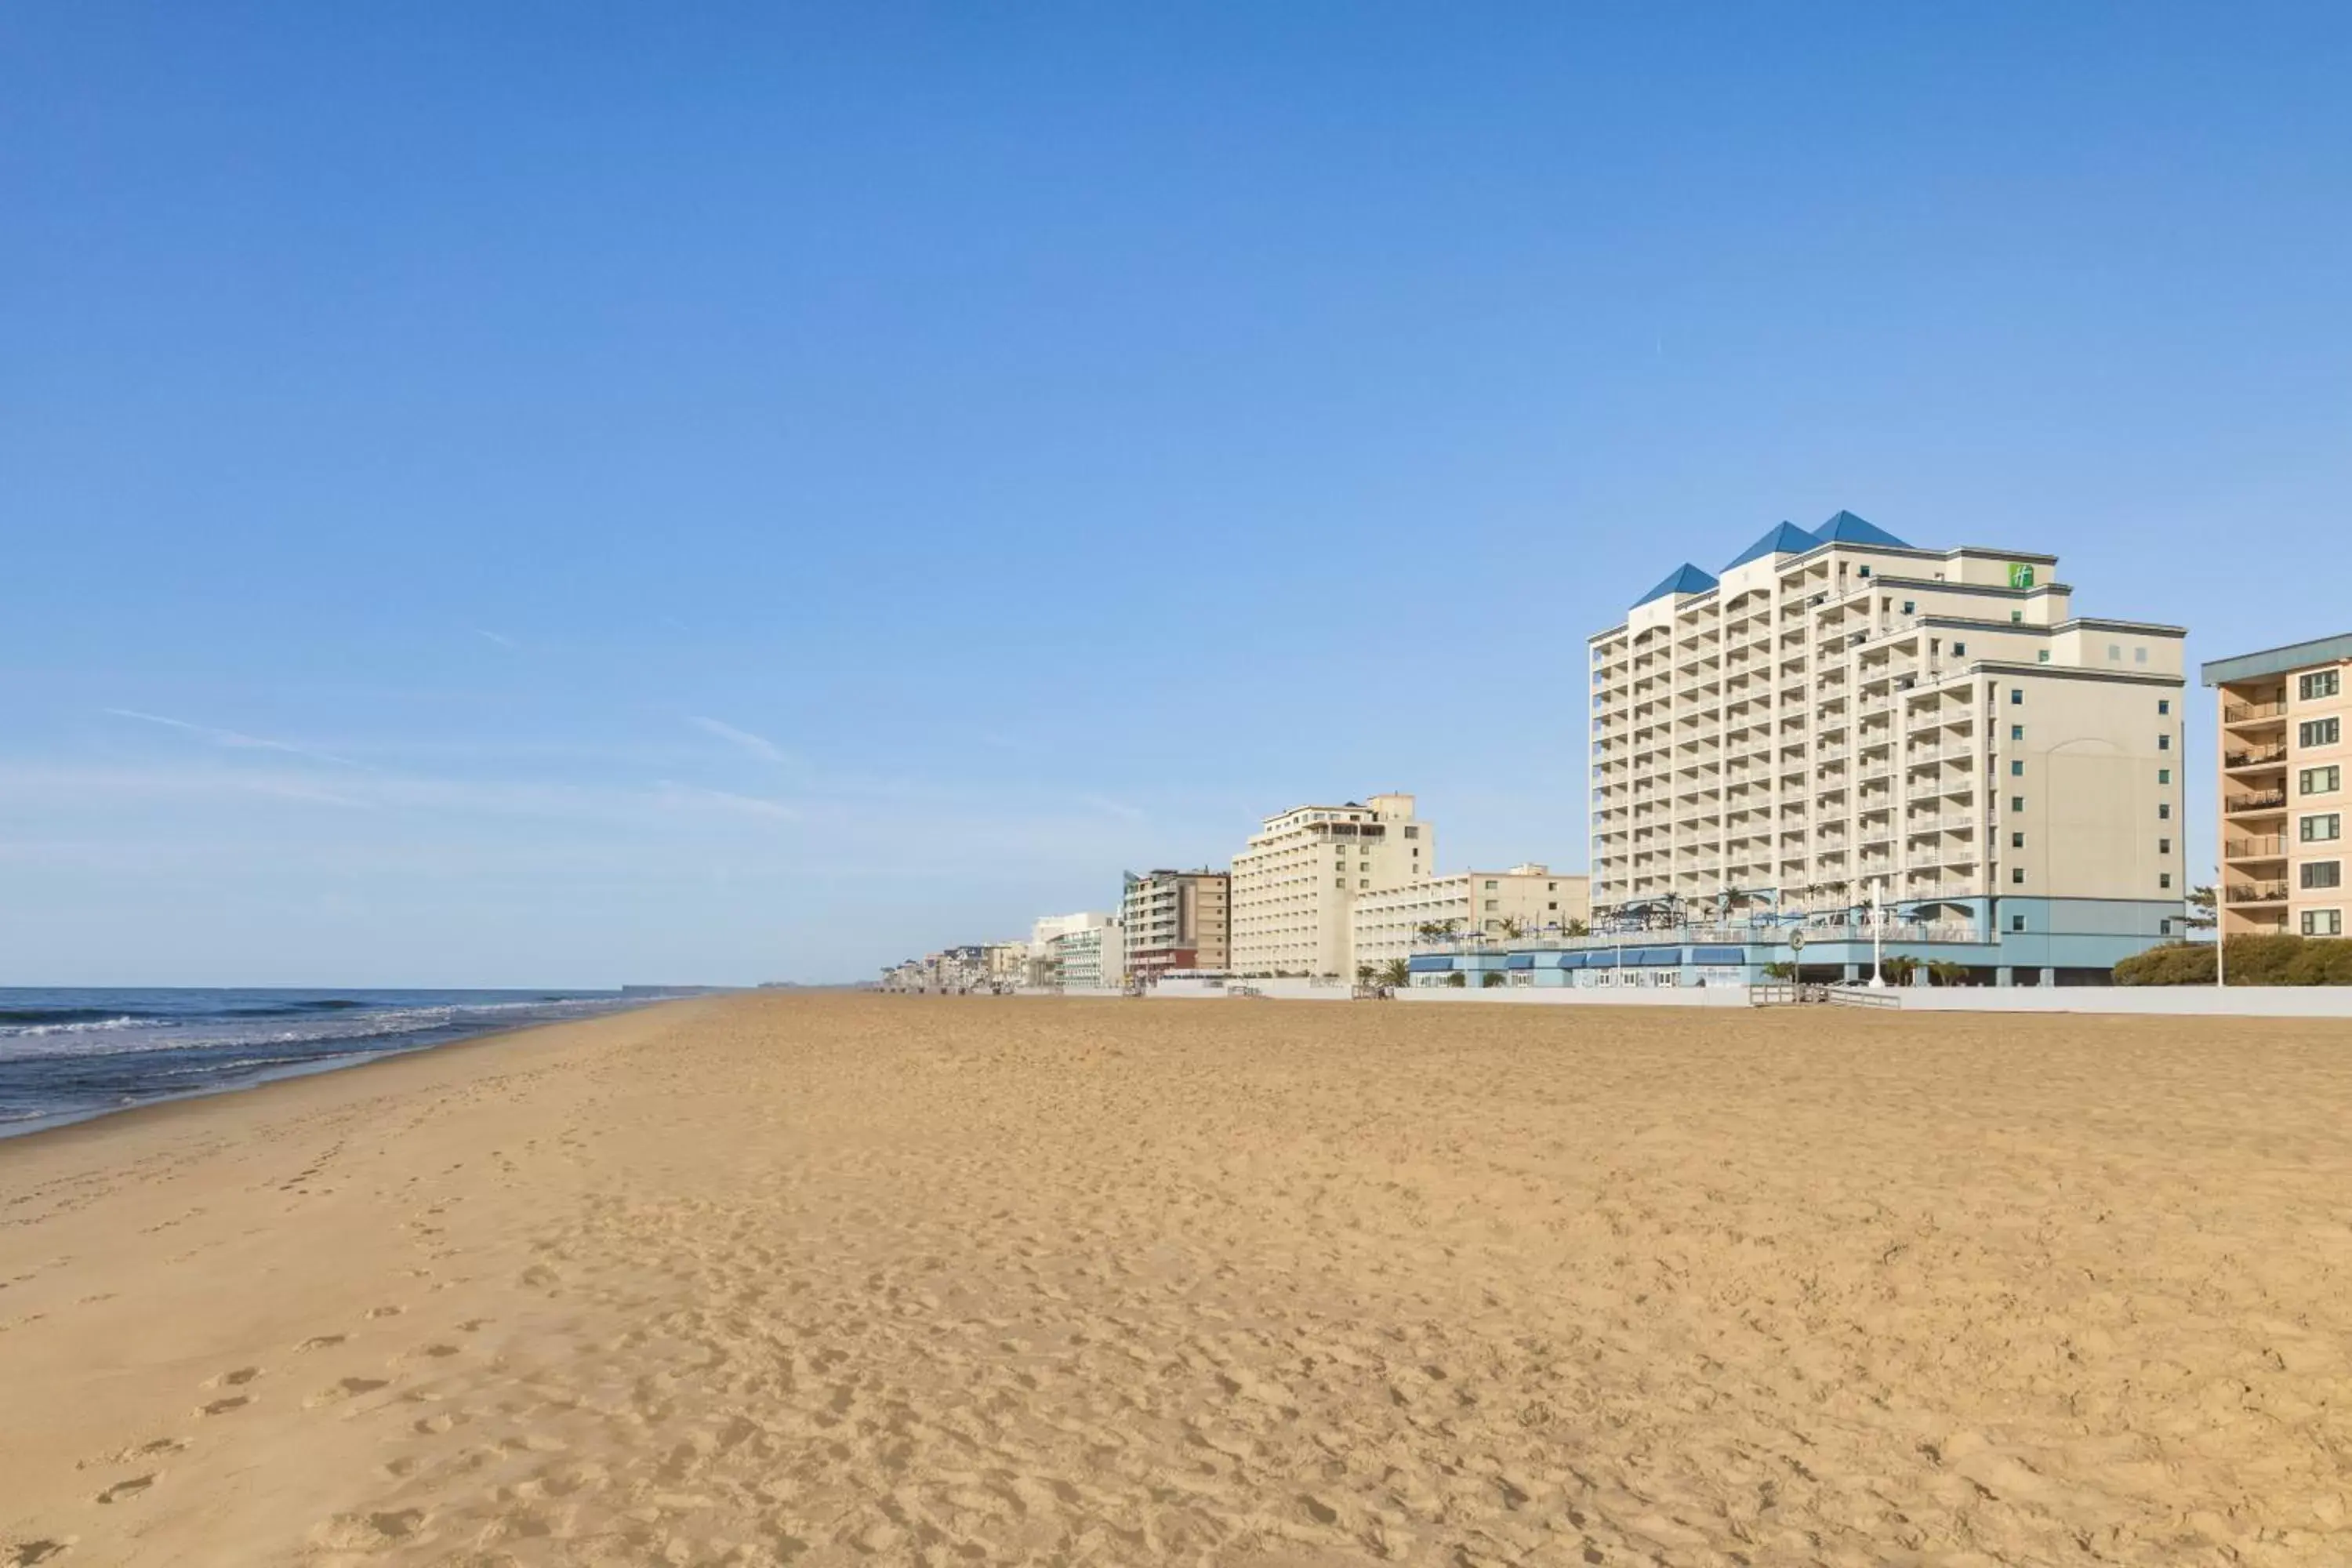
point(1841, 713)
point(1294, 887)
point(1176, 920)
point(2283, 716)
point(1525, 900)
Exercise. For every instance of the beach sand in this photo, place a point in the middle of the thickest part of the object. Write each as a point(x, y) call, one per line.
point(832, 1279)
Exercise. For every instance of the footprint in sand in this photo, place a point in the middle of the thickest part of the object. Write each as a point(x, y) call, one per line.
point(25, 1553)
point(346, 1388)
point(321, 1342)
point(223, 1406)
point(129, 1489)
point(385, 1311)
point(236, 1379)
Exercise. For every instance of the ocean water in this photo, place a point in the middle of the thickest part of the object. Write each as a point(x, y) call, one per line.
point(66, 1055)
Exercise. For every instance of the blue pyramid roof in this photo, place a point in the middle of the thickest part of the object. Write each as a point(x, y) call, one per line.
point(1847, 529)
point(1683, 579)
point(1786, 539)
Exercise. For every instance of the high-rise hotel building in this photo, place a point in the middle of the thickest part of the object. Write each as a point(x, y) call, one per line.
point(1840, 715)
point(1294, 888)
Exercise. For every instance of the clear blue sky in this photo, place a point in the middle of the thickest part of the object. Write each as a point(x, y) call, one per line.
point(617, 493)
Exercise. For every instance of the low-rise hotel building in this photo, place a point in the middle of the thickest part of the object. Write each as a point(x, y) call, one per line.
point(1525, 900)
point(1090, 958)
point(1176, 920)
point(1841, 715)
point(2284, 714)
point(1294, 887)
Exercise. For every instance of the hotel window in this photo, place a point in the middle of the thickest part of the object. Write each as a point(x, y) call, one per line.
point(1490, 885)
point(2321, 829)
point(2320, 781)
point(2319, 732)
point(2164, 812)
point(2164, 879)
point(1909, 605)
point(2017, 697)
point(2139, 655)
point(2017, 731)
point(2114, 650)
point(2164, 775)
point(1960, 648)
point(2042, 657)
point(2163, 706)
point(2017, 803)
point(2164, 743)
point(2017, 767)
point(1412, 833)
point(2323, 922)
point(2319, 684)
point(2324, 874)
point(2017, 841)
point(2017, 618)
point(2017, 874)
point(2017, 922)
point(2164, 846)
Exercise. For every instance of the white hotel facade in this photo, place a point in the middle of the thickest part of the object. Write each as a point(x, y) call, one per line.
point(1839, 713)
point(1294, 887)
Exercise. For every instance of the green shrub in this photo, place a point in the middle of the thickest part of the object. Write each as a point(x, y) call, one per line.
point(1457, 979)
point(2250, 959)
point(2175, 964)
point(1493, 978)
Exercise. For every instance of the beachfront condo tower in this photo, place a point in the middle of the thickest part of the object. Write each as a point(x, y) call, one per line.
point(1176, 919)
point(2285, 755)
point(1295, 886)
point(1839, 715)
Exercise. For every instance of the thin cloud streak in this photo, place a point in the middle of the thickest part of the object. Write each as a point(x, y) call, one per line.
point(500, 638)
point(757, 745)
point(237, 739)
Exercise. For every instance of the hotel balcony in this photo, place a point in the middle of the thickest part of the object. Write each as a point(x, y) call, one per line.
point(2261, 847)
point(2270, 714)
point(2254, 803)
point(2255, 893)
point(2240, 758)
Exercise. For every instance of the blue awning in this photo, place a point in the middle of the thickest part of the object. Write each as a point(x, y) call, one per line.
point(1429, 962)
point(1519, 961)
point(1654, 956)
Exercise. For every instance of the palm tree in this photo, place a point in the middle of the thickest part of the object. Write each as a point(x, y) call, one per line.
point(1947, 971)
point(1510, 928)
point(1899, 969)
point(1396, 972)
point(1364, 972)
point(1580, 928)
point(1779, 971)
point(1457, 979)
point(1493, 978)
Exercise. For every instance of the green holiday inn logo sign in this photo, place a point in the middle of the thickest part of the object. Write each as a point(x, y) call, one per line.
point(2020, 575)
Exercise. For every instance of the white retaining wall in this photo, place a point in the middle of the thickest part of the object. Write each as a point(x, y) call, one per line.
point(1584, 997)
point(2146, 1000)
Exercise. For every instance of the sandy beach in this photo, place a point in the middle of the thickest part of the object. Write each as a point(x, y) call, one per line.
point(831, 1280)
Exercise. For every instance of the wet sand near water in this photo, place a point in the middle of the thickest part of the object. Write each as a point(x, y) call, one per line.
point(847, 1279)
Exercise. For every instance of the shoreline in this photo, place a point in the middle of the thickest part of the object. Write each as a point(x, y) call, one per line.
point(44, 1126)
point(45, 1130)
